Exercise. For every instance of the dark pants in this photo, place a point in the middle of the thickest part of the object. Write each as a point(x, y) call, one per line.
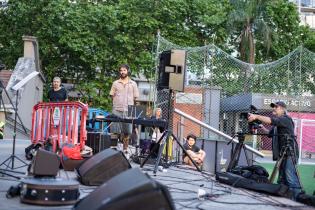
point(289, 177)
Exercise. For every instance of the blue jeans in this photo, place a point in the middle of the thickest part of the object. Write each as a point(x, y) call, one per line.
point(289, 177)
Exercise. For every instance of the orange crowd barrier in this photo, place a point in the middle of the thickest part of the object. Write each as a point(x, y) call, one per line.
point(62, 122)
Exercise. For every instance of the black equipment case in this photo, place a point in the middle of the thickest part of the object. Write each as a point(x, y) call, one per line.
point(239, 181)
point(49, 191)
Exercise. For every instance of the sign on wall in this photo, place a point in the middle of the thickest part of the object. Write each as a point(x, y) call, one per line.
point(293, 104)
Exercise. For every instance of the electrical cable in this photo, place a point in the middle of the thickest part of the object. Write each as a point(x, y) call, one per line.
point(264, 199)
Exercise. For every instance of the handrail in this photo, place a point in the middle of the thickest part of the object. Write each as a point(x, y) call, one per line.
point(216, 131)
point(10, 122)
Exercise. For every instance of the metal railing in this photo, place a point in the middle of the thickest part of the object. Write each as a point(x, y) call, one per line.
point(217, 132)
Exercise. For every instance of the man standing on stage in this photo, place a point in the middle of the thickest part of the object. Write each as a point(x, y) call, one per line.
point(124, 92)
point(282, 135)
point(57, 93)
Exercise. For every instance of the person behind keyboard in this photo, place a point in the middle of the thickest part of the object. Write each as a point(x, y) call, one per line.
point(156, 132)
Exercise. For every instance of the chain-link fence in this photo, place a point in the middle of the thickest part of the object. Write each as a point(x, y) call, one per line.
point(219, 89)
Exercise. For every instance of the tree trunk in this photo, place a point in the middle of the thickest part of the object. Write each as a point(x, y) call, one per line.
point(251, 46)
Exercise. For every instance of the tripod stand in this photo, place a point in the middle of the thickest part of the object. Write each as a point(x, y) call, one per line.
point(10, 160)
point(13, 156)
point(164, 141)
point(286, 152)
point(237, 152)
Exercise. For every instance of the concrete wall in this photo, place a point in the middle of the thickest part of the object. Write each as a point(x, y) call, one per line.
point(211, 109)
point(218, 155)
point(29, 95)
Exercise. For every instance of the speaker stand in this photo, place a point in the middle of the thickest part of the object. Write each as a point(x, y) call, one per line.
point(164, 141)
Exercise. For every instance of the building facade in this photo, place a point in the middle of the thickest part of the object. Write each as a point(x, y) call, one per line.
point(306, 10)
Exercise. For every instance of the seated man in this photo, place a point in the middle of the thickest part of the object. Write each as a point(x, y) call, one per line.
point(197, 154)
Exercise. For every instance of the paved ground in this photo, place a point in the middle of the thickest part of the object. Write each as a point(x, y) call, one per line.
point(182, 182)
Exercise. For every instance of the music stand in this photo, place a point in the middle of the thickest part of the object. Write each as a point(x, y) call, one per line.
point(12, 157)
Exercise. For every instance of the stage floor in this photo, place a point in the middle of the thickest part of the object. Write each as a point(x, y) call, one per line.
point(183, 183)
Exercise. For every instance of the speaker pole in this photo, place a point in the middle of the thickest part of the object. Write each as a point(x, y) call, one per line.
point(17, 87)
point(170, 102)
point(164, 140)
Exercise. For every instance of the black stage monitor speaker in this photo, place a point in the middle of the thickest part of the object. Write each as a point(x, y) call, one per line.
point(101, 167)
point(131, 189)
point(44, 163)
point(172, 70)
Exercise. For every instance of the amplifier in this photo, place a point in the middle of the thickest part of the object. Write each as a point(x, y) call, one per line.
point(98, 141)
point(114, 139)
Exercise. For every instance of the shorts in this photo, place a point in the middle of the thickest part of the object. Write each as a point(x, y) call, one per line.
point(117, 127)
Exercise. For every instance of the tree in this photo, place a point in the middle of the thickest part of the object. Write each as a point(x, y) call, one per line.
point(84, 42)
point(288, 33)
point(73, 38)
point(247, 21)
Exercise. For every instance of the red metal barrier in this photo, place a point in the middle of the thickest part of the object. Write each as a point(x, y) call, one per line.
point(63, 122)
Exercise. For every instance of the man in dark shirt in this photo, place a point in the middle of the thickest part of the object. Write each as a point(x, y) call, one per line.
point(282, 134)
point(197, 154)
point(57, 93)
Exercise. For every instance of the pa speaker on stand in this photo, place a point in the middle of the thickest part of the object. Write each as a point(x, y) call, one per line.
point(172, 70)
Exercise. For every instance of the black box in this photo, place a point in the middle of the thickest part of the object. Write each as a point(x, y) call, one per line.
point(98, 141)
point(114, 140)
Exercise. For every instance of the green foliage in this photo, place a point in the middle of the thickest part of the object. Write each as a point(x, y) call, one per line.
point(84, 42)
point(96, 93)
point(75, 39)
point(247, 22)
point(288, 34)
point(264, 31)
